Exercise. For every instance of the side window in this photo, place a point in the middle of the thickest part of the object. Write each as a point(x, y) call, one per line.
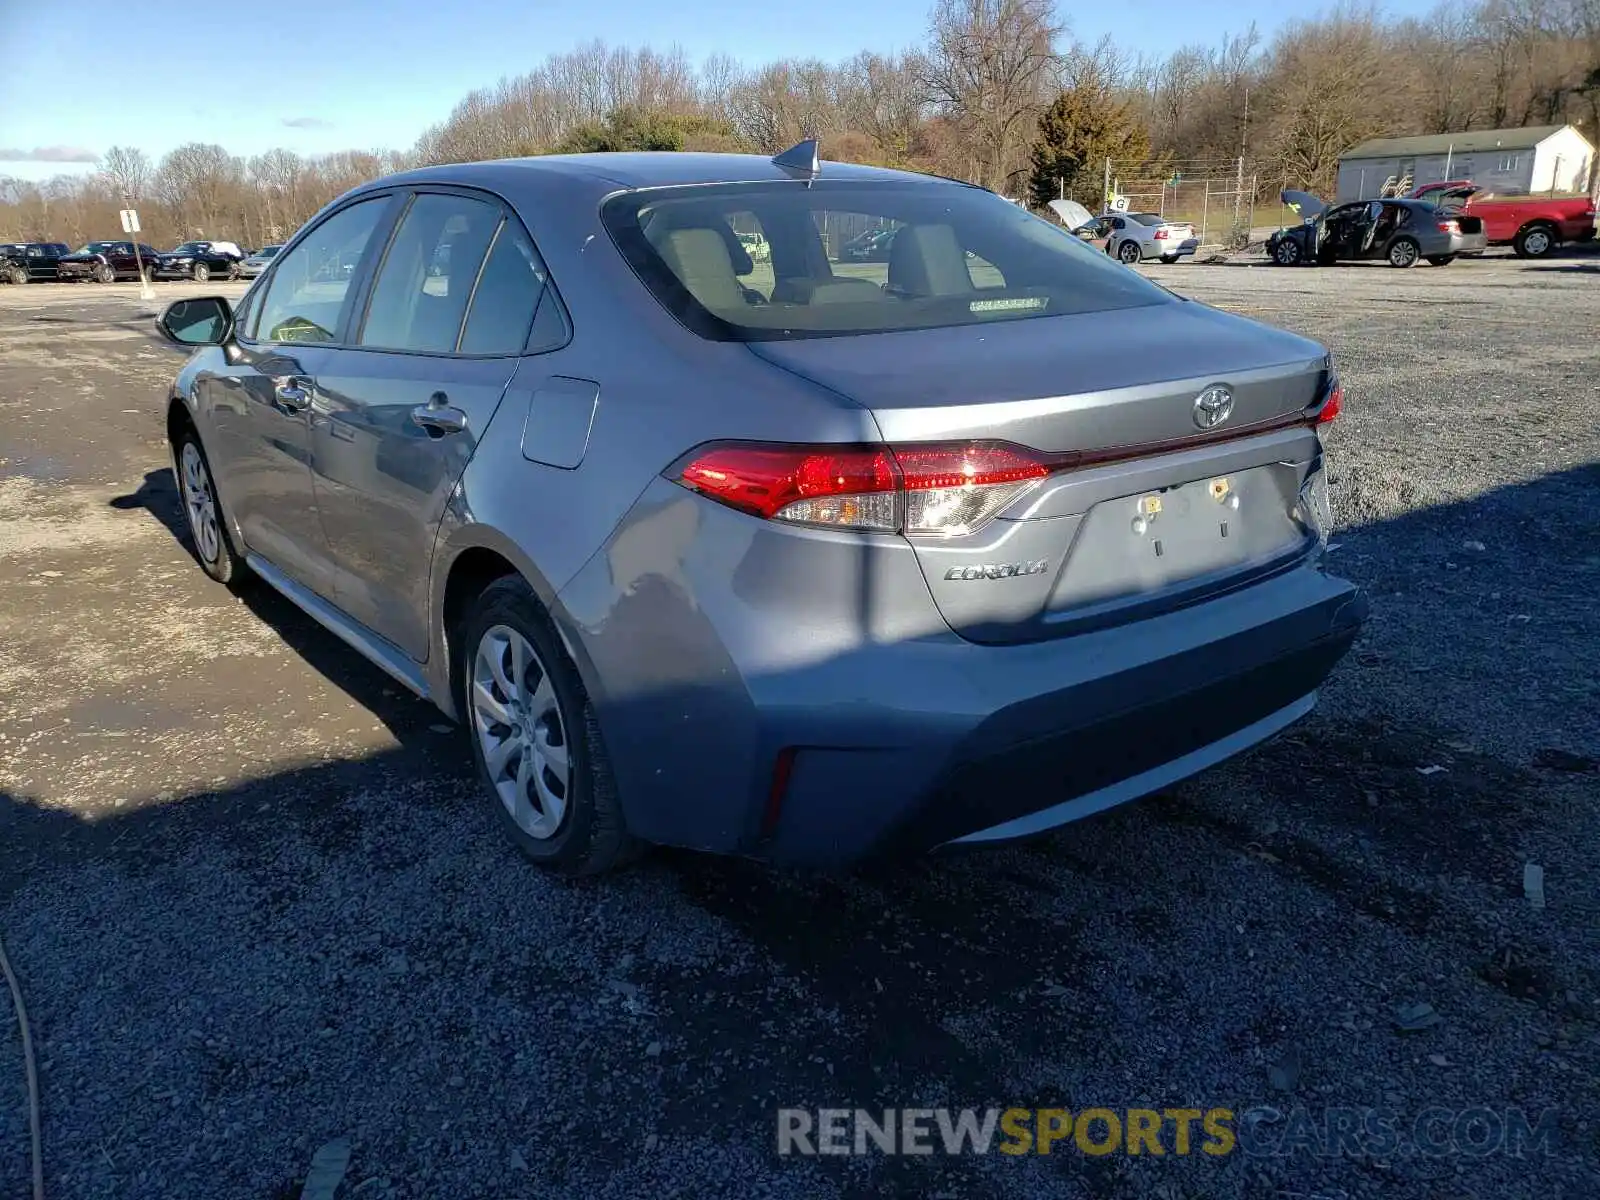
point(1118, 223)
point(507, 295)
point(427, 277)
point(306, 292)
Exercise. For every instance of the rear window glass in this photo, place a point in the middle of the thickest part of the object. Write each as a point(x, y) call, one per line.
point(784, 260)
point(1148, 218)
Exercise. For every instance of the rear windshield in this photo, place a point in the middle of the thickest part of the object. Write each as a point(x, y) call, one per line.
point(1148, 218)
point(783, 260)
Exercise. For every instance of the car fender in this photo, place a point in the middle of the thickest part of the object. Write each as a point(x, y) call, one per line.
point(459, 533)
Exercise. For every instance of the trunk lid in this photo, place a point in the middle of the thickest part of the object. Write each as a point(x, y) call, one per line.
point(1123, 390)
point(1304, 204)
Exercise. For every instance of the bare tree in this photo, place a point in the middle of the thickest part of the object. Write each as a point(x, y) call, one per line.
point(127, 172)
point(992, 67)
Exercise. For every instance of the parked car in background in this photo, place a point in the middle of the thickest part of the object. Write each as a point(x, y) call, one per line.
point(258, 262)
point(1531, 225)
point(25, 262)
point(1399, 232)
point(871, 246)
point(1134, 237)
point(200, 261)
point(963, 583)
point(105, 262)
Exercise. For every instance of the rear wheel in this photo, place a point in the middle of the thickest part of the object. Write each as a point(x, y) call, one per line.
point(201, 272)
point(534, 737)
point(1441, 260)
point(1534, 242)
point(106, 274)
point(1169, 259)
point(1129, 253)
point(1287, 253)
point(1403, 252)
point(212, 545)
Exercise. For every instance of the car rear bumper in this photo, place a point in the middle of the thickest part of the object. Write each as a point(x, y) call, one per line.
point(751, 705)
point(1464, 243)
point(1065, 748)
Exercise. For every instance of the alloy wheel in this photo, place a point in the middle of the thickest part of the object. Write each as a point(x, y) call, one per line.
point(517, 721)
point(200, 503)
point(1129, 253)
point(1402, 254)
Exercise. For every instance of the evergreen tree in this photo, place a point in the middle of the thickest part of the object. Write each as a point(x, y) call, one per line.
point(1086, 124)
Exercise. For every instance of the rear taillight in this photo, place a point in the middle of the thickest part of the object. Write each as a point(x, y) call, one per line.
point(1161, 235)
point(1332, 403)
point(1449, 227)
point(932, 489)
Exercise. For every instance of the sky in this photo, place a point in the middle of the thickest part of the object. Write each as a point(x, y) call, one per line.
point(329, 75)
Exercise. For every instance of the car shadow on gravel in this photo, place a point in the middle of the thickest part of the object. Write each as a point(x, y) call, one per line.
point(1170, 949)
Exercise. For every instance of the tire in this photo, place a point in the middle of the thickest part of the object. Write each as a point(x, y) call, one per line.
point(1287, 253)
point(1535, 241)
point(203, 511)
point(148, 275)
point(233, 272)
point(106, 274)
point(1169, 259)
point(1403, 253)
point(17, 275)
point(1129, 253)
point(1441, 260)
point(572, 826)
point(201, 272)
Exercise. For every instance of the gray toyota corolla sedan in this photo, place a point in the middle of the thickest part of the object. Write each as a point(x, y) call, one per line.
point(810, 558)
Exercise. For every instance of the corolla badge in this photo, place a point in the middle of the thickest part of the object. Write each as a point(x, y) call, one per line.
point(1213, 406)
point(999, 570)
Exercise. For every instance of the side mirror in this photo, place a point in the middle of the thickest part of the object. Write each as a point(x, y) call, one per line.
point(206, 321)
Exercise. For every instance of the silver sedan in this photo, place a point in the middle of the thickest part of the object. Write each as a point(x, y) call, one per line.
point(805, 558)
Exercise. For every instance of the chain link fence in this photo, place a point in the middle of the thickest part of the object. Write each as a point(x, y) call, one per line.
point(1221, 205)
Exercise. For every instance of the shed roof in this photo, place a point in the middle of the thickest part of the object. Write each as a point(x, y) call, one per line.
point(1472, 142)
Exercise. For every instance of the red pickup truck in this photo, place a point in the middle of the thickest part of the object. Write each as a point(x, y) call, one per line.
point(1531, 226)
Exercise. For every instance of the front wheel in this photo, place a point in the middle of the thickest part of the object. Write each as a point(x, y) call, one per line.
point(148, 274)
point(534, 737)
point(1129, 253)
point(17, 275)
point(201, 272)
point(1403, 252)
point(1441, 260)
point(1169, 259)
point(106, 274)
point(1534, 242)
point(1286, 253)
point(212, 546)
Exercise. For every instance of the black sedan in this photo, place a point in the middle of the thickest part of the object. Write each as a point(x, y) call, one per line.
point(106, 262)
point(200, 261)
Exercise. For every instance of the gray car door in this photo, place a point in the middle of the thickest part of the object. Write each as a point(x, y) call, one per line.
point(255, 410)
point(399, 414)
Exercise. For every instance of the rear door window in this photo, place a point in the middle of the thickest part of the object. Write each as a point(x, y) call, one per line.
point(508, 293)
point(423, 288)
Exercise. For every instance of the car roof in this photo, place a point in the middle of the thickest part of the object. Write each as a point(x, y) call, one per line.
point(648, 169)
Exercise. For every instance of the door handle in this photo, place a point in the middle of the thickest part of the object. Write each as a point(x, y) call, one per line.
point(437, 417)
point(292, 395)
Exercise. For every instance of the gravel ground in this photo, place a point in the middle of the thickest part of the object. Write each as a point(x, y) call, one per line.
point(256, 905)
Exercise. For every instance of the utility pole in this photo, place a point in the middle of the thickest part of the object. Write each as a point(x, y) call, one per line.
point(1105, 200)
point(1241, 234)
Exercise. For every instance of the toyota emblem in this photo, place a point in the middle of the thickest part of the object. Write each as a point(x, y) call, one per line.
point(1213, 406)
